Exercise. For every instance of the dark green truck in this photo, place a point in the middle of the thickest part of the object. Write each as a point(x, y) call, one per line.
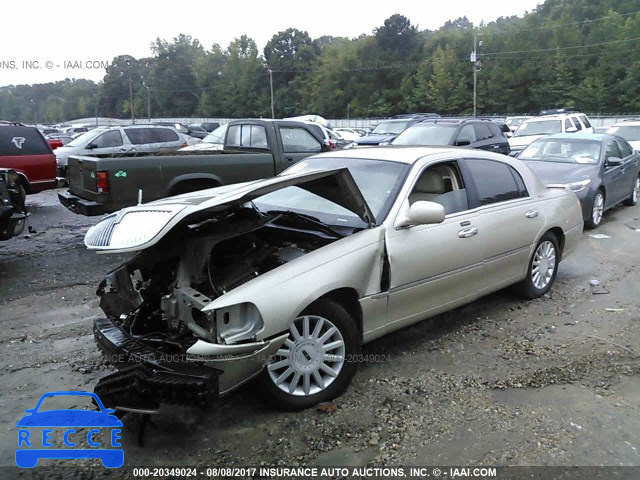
point(253, 149)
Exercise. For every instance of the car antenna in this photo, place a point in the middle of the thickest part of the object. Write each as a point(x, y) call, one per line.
point(140, 197)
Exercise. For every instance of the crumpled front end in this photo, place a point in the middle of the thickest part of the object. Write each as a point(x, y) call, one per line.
point(162, 328)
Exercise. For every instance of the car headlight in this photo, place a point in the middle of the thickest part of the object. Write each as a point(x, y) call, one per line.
point(129, 228)
point(573, 186)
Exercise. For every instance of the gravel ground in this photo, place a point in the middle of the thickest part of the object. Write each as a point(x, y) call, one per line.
point(554, 381)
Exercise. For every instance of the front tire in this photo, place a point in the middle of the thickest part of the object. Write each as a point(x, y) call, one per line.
point(315, 364)
point(543, 267)
point(597, 210)
point(635, 194)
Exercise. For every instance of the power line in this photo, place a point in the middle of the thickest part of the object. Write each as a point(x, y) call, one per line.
point(546, 27)
point(498, 54)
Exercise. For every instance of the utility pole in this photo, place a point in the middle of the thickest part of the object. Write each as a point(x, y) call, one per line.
point(273, 115)
point(475, 72)
point(144, 84)
point(133, 119)
point(477, 66)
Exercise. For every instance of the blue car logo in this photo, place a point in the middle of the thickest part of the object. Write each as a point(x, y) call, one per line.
point(33, 446)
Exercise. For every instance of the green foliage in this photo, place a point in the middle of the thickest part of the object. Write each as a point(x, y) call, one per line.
point(577, 53)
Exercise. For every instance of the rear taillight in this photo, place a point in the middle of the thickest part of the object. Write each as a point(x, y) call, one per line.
point(102, 182)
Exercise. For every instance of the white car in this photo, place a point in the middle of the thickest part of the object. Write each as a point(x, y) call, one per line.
point(629, 130)
point(124, 140)
point(348, 134)
point(536, 127)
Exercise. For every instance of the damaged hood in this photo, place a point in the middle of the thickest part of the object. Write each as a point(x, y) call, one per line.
point(136, 228)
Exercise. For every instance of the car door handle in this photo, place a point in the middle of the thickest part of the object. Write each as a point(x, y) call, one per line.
point(289, 159)
point(531, 214)
point(468, 232)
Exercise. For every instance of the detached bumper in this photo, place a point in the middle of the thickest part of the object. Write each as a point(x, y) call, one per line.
point(81, 205)
point(148, 376)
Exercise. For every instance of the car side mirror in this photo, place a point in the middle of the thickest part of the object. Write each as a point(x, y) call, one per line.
point(91, 146)
point(463, 142)
point(571, 130)
point(613, 161)
point(422, 213)
point(324, 147)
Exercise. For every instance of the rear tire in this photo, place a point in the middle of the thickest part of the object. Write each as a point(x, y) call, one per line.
point(597, 211)
point(316, 362)
point(635, 193)
point(543, 267)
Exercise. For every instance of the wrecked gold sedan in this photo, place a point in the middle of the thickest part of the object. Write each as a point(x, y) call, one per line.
point(286, 278)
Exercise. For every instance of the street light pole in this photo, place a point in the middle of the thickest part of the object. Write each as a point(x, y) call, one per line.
point(475, 72)
point(273, 115)
point(133, 118)
point(477, 66)
point(148, 101)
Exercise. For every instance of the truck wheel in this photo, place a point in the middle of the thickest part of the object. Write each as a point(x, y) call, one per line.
point(192, 186)
point(316, 363)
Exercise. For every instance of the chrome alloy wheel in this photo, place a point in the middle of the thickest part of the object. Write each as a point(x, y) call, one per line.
point(310, 358)
point(544, 265)
point(597, 209)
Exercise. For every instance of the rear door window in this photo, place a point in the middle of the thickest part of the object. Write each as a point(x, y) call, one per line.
point(585, 120)
point(494, 181)
point(141, 136)
point(22, 140)
point(482, 131)
point(165, 135)
point(247, 136)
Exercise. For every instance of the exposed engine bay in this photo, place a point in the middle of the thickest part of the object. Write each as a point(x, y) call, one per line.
point(158, 296)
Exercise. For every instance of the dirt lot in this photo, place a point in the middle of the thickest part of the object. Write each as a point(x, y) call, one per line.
point(555, 381)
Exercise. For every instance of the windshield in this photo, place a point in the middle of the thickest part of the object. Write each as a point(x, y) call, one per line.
point(393, 128)
point(427, 134)
point(85, 138)
point(562, 150)
point(628, 132)
point(539, 127)
point(378, 180)
point(514, 122)
point(217, 136)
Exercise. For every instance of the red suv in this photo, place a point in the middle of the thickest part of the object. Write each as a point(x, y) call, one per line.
point(26, 151)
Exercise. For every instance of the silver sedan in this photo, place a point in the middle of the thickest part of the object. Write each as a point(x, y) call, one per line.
point(285, 279)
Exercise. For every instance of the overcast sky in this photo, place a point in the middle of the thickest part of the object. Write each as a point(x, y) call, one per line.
point(57, 39)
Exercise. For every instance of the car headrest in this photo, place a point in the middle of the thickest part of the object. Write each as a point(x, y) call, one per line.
point(430, 182)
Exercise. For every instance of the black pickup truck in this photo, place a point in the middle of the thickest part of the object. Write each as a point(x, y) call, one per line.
point(253, 149)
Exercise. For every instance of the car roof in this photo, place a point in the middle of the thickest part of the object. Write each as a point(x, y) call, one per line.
point(558, 116)
point(410, 154)
point(584, 136)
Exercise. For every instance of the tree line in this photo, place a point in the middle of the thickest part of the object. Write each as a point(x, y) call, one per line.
point(576, 53)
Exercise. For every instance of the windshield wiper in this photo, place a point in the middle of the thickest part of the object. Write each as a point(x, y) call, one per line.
point(309, 218)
